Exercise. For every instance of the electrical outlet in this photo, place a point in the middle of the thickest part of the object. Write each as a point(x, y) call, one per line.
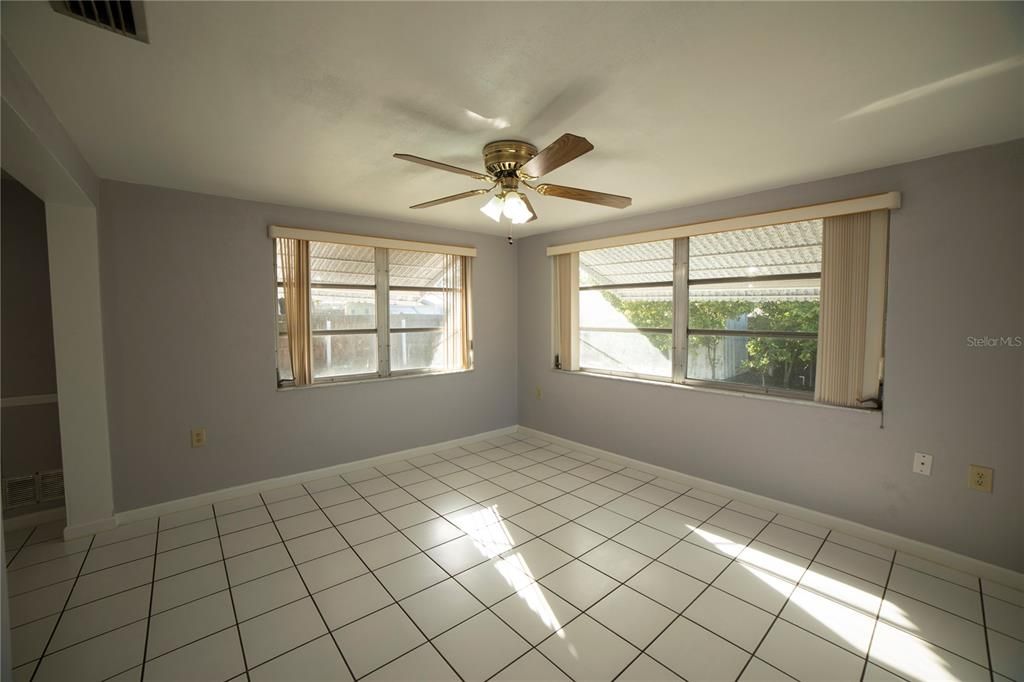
point(540, 394)
point(922, 464)
point(979, 478)
point(198, 437)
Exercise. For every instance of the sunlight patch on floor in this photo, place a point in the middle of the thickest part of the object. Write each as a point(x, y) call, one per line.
point(898, 650)
point(492, 538)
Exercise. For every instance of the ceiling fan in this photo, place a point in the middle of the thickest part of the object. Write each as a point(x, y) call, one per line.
point(510, 163)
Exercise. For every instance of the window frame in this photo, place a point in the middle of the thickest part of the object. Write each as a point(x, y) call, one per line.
point(681, 331)
point(382, 292)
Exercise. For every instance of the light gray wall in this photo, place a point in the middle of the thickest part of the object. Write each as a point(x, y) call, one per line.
point(957, 248)
point(188, 312)
point(30, 434)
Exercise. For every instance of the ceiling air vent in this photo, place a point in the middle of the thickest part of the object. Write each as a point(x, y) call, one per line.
point(120, 16)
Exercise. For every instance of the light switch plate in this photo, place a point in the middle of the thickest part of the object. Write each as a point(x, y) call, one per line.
point(198, 437)
point(922, 464)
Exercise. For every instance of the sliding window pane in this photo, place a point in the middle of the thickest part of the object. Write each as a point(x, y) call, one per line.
point(336, 355)
point(341, 264)
point(416, 309)
point(765, 362)
point(774, 250)
point(627, 351)
point(342, 309)
point(756, 306)
point(420, 350)
point(632, 264)
point(627, 308)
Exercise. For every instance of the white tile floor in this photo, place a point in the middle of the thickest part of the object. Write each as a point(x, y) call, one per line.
point(508, 559)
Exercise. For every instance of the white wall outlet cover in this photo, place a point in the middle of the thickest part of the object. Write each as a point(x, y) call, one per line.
point(922, 464)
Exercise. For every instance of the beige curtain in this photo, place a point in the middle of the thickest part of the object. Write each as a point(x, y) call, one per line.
point(452, 316)
point(567, 310)
point(852, 304)
point(467, 312)
point(294, 256)
point(457, 302)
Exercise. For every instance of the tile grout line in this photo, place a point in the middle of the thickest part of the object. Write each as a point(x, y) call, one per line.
point(676, 496)
point(149, 612)
point(486, 608)
point(622, 583)
point(215, 516)
point(905, 630)
point(537, 581)
point(635, 522)
point(678, 540)
point(21, 546)
point(707, 586)
point(309, 595)
point(231, 596)
point(930, 575)
point(878, 617)
point(167, 577)
point(531, 647)
point(451, 576)
point(306, 493)
point(49, 640)
point(427, 640)
point(240, 554)
point(534, 505)
point(778, 615)
point(984, 629)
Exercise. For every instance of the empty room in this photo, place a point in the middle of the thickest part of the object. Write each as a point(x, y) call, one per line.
point(512, 341)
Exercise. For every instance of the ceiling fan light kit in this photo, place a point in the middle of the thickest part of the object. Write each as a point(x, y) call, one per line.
point(510, 163)
point(515, 209)
point(493, 208)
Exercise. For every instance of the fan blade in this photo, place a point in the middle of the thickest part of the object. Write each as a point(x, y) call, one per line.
point(526, 200)
point(443, 166)
point(453, 197)
point(557, 154)
point(589, 196)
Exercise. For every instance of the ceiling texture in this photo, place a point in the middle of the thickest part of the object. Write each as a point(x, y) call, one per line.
point(303, 103)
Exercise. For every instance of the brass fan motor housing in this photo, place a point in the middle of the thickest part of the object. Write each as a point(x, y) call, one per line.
point(504, 157)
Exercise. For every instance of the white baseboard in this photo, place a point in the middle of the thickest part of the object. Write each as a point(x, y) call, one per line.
point(923, 550)
point(90, 528)
point(184, 503)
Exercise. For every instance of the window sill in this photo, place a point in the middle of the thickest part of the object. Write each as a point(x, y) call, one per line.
point(749, 395)
point(374, 380)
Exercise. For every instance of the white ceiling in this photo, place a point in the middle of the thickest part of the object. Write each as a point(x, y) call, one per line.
point(304, 103)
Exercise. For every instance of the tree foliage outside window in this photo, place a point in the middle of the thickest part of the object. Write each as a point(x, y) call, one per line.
point(772, 359)
point(713, 315)
point(766, 354)
point(646, 314)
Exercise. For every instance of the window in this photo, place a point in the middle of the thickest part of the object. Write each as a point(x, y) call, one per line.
point(795, 308)
point(625, 309)
point(370, 311)
point(425, 307)
point(753, 306)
